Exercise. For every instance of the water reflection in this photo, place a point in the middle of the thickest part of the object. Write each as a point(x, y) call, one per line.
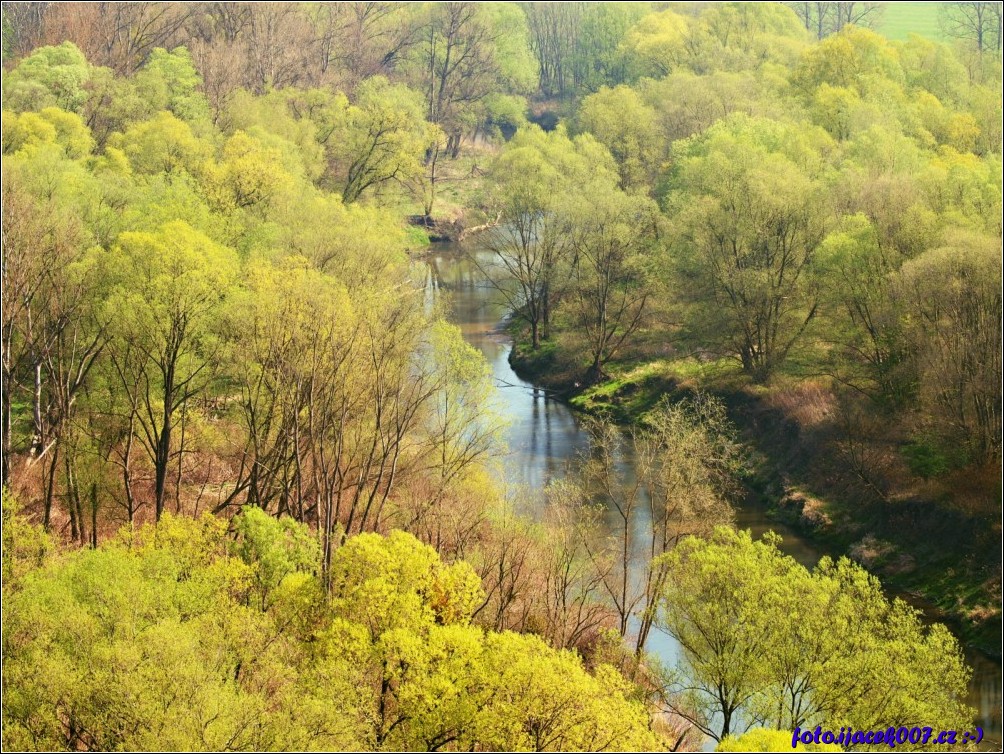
point(546, 438)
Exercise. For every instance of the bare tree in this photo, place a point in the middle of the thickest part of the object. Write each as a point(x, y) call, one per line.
point(611, 289)
point(825, 18)
point(120, 36)
point(279, 41)
point(607, 474)
point(573, 590)
point(51, 339)
point(362, 39)
point(459, 66)
point(554, 31)
point(688, 460)
point(528, 250)
point(978, 23)
point(27, 26)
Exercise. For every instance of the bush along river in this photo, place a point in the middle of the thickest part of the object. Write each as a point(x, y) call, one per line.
point(546, 438)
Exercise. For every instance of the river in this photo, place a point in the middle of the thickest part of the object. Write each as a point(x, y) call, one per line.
point(545, 438)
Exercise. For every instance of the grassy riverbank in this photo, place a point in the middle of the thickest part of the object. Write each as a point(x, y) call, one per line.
point(930, 538)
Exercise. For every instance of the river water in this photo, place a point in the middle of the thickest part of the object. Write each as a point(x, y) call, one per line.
point(546, 438)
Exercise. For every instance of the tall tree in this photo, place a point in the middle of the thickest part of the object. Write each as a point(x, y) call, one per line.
point(612, 234)
point(824, 18)
point(383, 138)
point(955, 291)
point(52, 335)
point(689, 461)
point(467, 52)
point(623, 123)
point(165, 289)
point(975, 23)
point(26, 22)
point(120, 36)
point(527, 194)
point(750, 221)
point(766, 642)
point(554, 34)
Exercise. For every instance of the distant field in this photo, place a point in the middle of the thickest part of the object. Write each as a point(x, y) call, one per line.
point(899, 20)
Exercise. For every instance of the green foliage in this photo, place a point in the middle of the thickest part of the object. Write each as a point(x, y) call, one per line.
point(29, 131)
point(954, 293)
point(766, 642)
point(249, 176)
point(50, 76)
point(274, 549)
point(165, 635)
point(874, 357)
point(382, 137)
point(25, 545)
point(531, 189)
point(927, 460)
point(598, 59)
point(169, 81)
point(465, 55)
point(396, 581)
point(744, 36)
point(613, 235)
point(656, 43)
point(625, 125)
point(52, 126)
point(162, 145)
point(517, 66)
point(71, 133)
point(173, 271)
point(209, 305)
point(747, 201)
point(855, 58)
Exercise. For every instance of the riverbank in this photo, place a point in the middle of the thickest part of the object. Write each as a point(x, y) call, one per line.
point(915, 537)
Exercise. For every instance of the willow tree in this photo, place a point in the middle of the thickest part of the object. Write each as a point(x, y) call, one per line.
point(528, 189)
point(626, 125)
point(612, 235)
point(953, 298)
point(165, 289)
point(746, 199)
point(765, 642)
point(380, 138)
point(688, 461)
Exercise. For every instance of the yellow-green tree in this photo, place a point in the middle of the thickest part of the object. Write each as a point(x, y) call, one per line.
point(767, 643)
point(165, 289)
point(746, 199)
point(952, 300)
point(623, 123)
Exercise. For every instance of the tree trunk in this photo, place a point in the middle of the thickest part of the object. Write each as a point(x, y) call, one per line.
point(127, 472)
point(594, 375)
point(162, 458)
point(7, 444)
point(38, 441)
point(94, 515)
point(49, 486)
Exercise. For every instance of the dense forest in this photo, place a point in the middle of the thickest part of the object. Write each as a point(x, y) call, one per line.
point(252, 492)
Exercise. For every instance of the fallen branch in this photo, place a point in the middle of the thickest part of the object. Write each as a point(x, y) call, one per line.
point(479, 228)
point(535, 389)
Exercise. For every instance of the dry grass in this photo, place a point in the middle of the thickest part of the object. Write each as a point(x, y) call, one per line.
point(810, 403)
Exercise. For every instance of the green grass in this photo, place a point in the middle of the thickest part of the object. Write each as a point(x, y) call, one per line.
point(899, 20)
point(636, 389)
